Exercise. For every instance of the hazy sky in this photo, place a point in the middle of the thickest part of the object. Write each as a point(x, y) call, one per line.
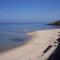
point(29, 10)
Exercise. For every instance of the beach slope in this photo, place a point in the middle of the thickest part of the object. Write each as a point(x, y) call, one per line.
point(40, 47)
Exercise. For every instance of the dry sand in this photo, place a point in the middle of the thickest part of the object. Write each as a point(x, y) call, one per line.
point(33, 50)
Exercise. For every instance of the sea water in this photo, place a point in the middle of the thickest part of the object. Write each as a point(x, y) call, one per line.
point(14, 34)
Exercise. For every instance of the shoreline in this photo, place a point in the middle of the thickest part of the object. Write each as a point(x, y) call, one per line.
point(34, 48)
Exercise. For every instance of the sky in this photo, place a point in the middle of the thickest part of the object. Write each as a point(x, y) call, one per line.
point(29, 10)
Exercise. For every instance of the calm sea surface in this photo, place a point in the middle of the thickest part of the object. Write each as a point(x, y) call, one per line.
point(12, 35)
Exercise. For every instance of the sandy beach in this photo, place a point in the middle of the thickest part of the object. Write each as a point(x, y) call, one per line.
point(34, 49)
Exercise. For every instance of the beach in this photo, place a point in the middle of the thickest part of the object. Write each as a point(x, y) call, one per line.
point(34, 49)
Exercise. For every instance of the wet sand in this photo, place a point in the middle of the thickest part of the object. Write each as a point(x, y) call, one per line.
point(40, 47)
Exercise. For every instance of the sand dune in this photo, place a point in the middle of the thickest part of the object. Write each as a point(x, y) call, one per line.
point(34, 49)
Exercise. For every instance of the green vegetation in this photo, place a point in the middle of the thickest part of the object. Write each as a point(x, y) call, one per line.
point(56, 23)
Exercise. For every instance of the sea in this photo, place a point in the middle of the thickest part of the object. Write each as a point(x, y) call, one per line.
point(13, 35)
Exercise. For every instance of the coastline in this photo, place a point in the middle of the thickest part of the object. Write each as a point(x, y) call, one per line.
point(33, 50)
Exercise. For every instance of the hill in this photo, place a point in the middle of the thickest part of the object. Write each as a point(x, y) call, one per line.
point(56, 23)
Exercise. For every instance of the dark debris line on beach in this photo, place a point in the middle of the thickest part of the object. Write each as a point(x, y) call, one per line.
point(56, 54)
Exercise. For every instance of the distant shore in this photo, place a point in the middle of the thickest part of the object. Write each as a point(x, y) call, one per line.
point(56, 23)
point(36, 48)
